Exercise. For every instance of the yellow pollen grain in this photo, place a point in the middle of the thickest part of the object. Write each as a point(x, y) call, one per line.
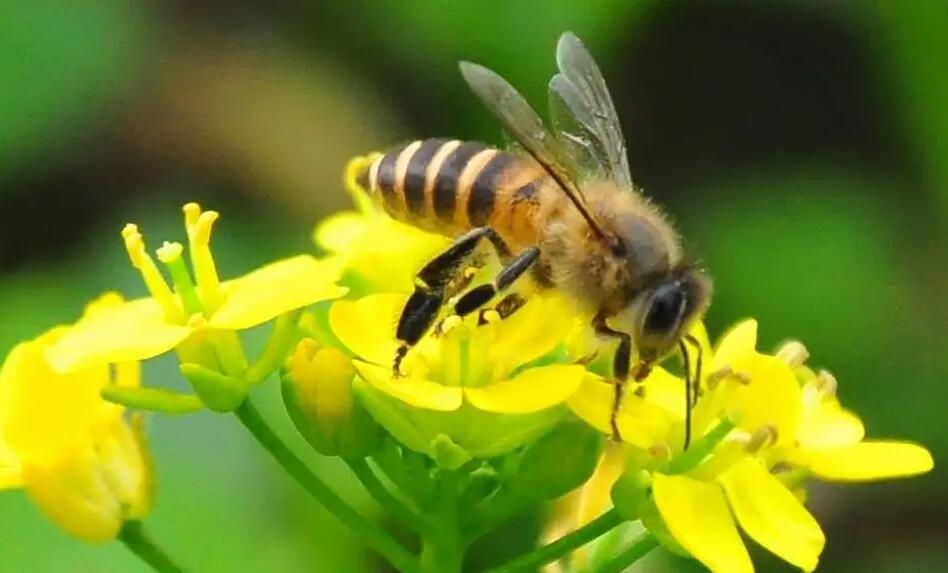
point(450, 323)
point(491, 316)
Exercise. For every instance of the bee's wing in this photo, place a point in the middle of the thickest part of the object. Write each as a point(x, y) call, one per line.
point(581, 89)
point(571, 128)
point(526, 127)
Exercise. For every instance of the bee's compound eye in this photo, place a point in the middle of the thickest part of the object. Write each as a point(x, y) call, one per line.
point(665, 309)
point(617, 246)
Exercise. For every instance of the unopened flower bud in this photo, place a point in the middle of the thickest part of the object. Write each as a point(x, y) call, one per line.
point(317, 392)
point(558, 462)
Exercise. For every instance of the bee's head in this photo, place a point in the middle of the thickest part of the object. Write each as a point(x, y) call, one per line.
point(660, 315)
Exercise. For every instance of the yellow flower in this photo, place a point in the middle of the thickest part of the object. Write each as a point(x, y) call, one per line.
point(196, 312)
point(379, 253)
point(762, 424)
point(77, 457)
point(473, 391)
point(317, 393)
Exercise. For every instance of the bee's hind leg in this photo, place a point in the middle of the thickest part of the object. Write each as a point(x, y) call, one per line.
point(432, 285)
point(480, 295)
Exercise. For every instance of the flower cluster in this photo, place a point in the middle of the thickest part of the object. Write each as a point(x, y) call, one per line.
point(488, 417)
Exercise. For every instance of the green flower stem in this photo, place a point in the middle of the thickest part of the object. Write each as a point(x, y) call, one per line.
point(443, 549)
point(278, 346)
point(133, 537)
point(399, 510)
point(639, 548)
point(563, 546)
point(370, 533)
point(394, 467)
point(500, 508)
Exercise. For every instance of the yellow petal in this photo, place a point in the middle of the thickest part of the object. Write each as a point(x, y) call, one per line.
point(385, 253)
point(640, 423)
point(534, 330)
point(277, 288)
point(772, 398)
point(595, 497)
point(135, 330)
point(697, 515)
point(665, 391)
point(737, 343)
point(530, 391)
point(45, 412)
point(367, 326)
point(870, 460)
point(412, 391)
point(10, 474)
point(76, 496)
point(772, 515)
point(340, 232)
point(829, 426)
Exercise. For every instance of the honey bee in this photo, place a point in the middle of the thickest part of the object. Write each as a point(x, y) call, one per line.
point(561, 207)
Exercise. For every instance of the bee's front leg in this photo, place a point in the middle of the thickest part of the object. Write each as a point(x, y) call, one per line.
point(621, 364)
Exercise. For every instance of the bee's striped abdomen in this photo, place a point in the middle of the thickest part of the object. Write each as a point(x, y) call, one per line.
point(449, 186)
point(438, 184)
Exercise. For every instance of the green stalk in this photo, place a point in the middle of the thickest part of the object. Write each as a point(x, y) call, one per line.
point(133, 537)
point(563, 546)
point(399, 510)
point(639, 548)
point(443, 549)
point(368, 531)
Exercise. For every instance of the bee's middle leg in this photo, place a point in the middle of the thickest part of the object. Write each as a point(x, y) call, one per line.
point(432, 285)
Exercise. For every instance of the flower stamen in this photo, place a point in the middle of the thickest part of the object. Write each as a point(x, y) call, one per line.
point(154, 281)
point(826, 383)
point(199, 226)
point(794, 353)
point(763, 436)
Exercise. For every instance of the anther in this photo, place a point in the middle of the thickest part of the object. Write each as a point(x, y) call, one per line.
point(827, 383)
point(134, 244)
point(716, 377)
point(764, 436)
point(793, 353)
point(159, 289)
point(742, 377)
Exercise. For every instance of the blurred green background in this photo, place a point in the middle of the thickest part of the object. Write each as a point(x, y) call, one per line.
point(801, 146)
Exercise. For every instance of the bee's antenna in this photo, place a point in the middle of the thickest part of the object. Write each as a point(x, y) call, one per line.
point(687, 361)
